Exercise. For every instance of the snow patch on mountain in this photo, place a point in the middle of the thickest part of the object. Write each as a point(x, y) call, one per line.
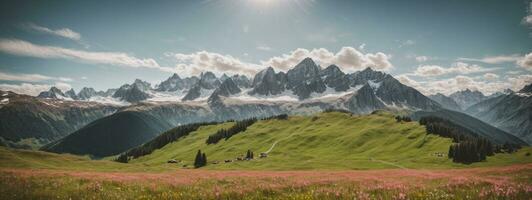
point(108, 100)
point(374, 85)
point(167, 96)
point(286, 96)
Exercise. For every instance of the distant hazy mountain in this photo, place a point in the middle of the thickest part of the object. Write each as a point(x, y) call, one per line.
point(467, 98)
point(511, 112)
point(483, 129)
point(445, 101)
point(44, 120)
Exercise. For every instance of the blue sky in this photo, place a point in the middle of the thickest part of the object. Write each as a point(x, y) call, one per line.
point(440, 46)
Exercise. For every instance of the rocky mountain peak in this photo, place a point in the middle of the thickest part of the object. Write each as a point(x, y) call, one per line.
point(86, 93)
point(227, 88)
point(241, 81)
point(71, 94)
point(267, 82)
point(173, 83)
point(306, 69)
point(56, 90)
point(53, 93)
point(223, 77)
point(175, 76)
point(209, 81)
point(526, 89)
point(368, 74)
point(142, 85)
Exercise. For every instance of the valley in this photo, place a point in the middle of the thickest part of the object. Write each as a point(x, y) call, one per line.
point(329, 155)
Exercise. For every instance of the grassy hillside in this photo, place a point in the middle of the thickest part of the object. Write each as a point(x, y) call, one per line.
point(325, 141)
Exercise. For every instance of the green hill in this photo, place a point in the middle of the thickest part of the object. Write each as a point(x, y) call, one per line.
point(325, 141)
point(334, 140)
point(110, 135)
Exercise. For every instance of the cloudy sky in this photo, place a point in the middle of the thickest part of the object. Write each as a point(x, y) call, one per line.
point(441, 46)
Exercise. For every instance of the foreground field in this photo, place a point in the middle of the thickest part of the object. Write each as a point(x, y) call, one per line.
point(510, 182)
point(39, 175)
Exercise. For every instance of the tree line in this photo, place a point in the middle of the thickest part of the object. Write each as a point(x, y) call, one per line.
point(471, 150)
point(468, 146)
point(279, 117)
point(240, 126)
point(403, 119)
point(328, 110)
point(161, 140)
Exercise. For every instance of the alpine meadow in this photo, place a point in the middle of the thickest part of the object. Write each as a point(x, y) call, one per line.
point(266, 99)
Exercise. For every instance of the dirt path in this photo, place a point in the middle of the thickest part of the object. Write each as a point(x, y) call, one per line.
point(387, 163)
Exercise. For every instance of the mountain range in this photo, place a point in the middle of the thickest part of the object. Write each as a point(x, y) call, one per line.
point(305, 89)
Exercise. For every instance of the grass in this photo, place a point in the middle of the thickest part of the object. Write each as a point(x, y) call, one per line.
point(315, 157)
point(493, 183)
point(327, 141)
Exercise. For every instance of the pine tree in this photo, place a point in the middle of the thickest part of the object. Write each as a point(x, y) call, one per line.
point(198, 160)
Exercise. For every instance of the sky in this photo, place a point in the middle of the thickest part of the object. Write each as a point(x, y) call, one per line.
point(433, 46)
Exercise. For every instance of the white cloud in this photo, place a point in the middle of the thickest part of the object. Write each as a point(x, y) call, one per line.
point(404, 79)
point(30, 77)
point(518, 82)
point(523, 61)
point(527, 20)
point(245, 29)
point(32, 89)
point(264, 48)
point(457, 68)
point(63, 32)
point(24, 48)
point(526, 62)
point(491, 76)
point(421, 58)
point(84, 78)
point(460, 82)
point(348, 58)
point(201, 61)
point(494, 59)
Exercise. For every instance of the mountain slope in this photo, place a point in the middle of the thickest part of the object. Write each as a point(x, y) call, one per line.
point(41, 121)
point(110, 135)
point(314, 142)
point(467, 98)
point(487, 131)
point(446, 102)
point(127, 128)
point(512, 113)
